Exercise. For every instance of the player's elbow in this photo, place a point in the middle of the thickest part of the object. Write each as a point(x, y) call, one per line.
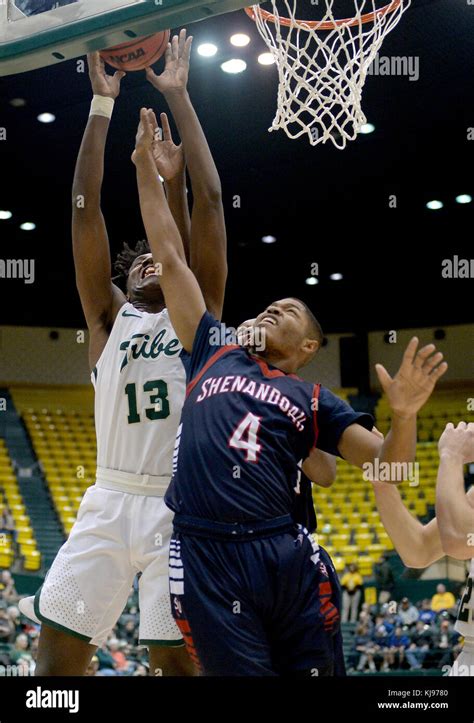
point(416, 559)
point(456, 545)
point(209, 194)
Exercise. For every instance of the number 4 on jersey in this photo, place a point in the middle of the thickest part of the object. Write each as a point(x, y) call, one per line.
point(245, 437)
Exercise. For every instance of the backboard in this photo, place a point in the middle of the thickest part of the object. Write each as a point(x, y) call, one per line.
point(36, 33)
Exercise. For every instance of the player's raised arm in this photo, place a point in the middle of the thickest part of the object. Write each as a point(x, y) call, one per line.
point(455, 509)
point(100, 298)
point(208, 235)
point(171, 166)
point(407, 392)
point(183, 296)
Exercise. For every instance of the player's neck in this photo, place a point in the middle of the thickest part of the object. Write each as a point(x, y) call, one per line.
point(285, 364)
point(150, 307)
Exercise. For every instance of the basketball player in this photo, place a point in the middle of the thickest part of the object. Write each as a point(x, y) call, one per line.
point(243, 577)
point(123, 526)
point(451, 532)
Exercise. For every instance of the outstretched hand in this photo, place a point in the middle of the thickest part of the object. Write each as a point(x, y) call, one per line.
point(458, 442)
point(175, 75)
point(414, 382)
point(169, 158)
point(145, 133)
point(103, 84)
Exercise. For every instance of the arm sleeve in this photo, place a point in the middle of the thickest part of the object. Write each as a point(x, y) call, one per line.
point(333, 417)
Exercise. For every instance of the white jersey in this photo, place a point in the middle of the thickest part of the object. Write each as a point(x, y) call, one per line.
point(465, 621)
point(139, 384)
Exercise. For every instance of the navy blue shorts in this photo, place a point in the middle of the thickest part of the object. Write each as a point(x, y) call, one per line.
point(265, 603)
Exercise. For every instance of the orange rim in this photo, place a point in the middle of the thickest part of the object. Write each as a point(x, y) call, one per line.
point(327, 25)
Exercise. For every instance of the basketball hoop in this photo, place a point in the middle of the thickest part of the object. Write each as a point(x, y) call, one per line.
point(323, 65)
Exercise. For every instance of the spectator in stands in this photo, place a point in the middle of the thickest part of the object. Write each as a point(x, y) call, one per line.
point(141, 670)
point(365, 648)
point(7, 587)
point(21, 649)
point(380, 640)
point(421, 642)
point(130, 632)
point(407, 612)
point(427, 615)
point(397, 643)
point(7, 628)
point(384, 580)
point(14, 614)
point(106, 661)
point(443, 600)
point(93, 666)
point(446, 640)
point(121, 662)
point(352, 584)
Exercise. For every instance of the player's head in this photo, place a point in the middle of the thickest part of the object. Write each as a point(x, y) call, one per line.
point(291, 331)
point(135, 267)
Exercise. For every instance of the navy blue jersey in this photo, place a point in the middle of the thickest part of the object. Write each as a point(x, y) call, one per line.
point(245, 427)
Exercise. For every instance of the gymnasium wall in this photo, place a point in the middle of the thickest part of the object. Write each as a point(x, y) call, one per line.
point(457, 347)
point(28, 354)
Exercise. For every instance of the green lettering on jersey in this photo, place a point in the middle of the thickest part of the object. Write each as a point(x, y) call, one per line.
point(146, 348)
point(161, 408)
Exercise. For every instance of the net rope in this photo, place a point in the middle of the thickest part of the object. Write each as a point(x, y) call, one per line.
point(322, 72)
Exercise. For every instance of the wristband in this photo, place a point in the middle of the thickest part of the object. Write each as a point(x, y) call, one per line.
point(102, 105)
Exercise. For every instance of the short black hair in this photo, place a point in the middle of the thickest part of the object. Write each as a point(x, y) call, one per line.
point(314, 327)
point(126, 257)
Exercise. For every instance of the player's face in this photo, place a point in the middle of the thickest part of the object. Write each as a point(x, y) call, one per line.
point(285, 325)
point(143, 279)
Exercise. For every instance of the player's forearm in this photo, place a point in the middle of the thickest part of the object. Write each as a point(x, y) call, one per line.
point(400, 443)
point(162, 233)
point(417, 546)
point(454, 514)
point(202, 169)
point(178, 205)
point(89, 171)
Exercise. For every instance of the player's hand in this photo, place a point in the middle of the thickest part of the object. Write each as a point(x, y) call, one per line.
point(145, 133)
point(103, 84)
point(414, 382)
point(175, 75)
point(169, 158)
point(458, 442)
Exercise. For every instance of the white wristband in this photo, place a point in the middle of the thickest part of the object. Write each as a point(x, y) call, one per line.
point(101, 105)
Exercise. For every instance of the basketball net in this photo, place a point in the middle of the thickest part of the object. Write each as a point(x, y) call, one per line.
point(322, 65)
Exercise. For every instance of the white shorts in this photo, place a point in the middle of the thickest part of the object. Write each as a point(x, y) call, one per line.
point(464, 663)
point(116, 535)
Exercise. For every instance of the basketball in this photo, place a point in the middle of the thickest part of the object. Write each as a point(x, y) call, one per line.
point(138, 54)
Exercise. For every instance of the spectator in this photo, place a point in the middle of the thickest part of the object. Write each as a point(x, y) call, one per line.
point(421, 642)
point(443, 600)
point(21, 649)
point(106, 661)
point(93, 666)
point(141, 670)
point(352, 585)
point(364, 646)
point(397, 643)
point(446, 641)
point(384, 580)
point(7, 628)
point(14, 614)
point(380, 640)
point(7, 587)
point(407, 613)
point(427, 615)
point(121, 662)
